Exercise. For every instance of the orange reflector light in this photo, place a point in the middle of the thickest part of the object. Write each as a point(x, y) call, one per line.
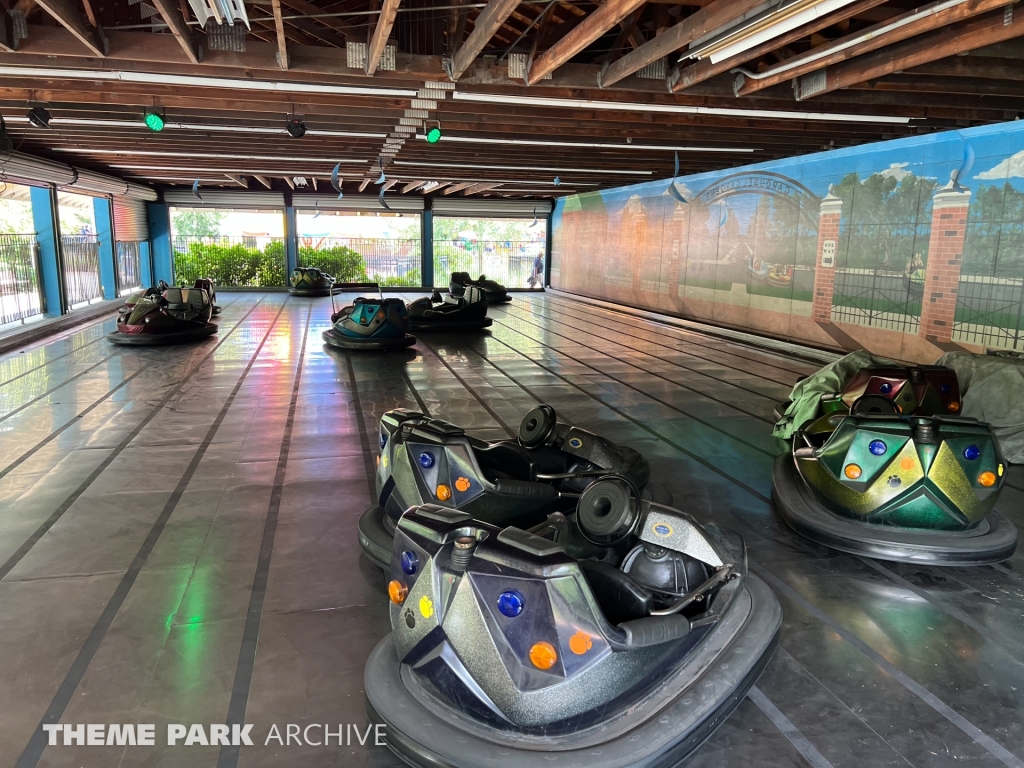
point(906, 464)
point(954, 406)
point(988, 479)
point(444, 492)
point(852, 471)
point(580, 643)
point(543, 655)
point(397, 592)
point(462, 484)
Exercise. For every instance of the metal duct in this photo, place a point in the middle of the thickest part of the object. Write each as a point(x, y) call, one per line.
point(504, 209)
point(216, 198)
point(396, 202)
point(37, 170)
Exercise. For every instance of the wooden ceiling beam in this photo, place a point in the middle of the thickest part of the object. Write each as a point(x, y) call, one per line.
point(264, 181)
point(478, 188)
point(707, 19)
point(381, 33)
point(992, 27)
point(282, 43)
point(334, 22)
point(69, 17)
point(487, 24)
point(412, 186)
point(364, 184)
point(457, 187)
point(586, 32)
point(705, 69)
point(176, 23)
point(840, 50)
point(239, 180)
point(973, 66)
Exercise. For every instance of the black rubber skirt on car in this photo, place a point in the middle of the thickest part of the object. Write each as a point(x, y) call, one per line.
point(657, 731)
point(444, 324)
point(992, 540)
point(335, 339)
point(198, 333)
point(310, 292)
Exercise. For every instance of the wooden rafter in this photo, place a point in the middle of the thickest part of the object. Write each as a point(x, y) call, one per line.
point(586, 32)
point(364, 184)
point(457, 187)
point(707, 19)
point(264, 181)
point(69, 17)
point(282, 43)
point(412, 186)
point(487, 24)
point(705, 69)
point(308, 9)
point(240, 180)
point(176, 22)
point(381, 33)
point(993, 27)
point(843, 51)
point(477, 188)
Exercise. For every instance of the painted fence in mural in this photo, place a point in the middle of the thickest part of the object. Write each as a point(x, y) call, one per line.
point(906, 248)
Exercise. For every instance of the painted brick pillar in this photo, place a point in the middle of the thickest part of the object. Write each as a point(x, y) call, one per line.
point(829, 215)
point(945, 258)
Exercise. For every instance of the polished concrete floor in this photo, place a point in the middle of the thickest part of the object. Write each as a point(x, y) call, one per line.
point(178, 539)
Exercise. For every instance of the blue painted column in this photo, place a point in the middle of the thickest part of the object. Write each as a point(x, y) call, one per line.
point(146, 264)
point(291, 242)
point(427, 246)
point(162, 257)
point(547, 250)
point(103, 213)
point(44, 218)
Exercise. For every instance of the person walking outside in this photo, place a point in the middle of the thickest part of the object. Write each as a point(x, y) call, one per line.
point(536, 278)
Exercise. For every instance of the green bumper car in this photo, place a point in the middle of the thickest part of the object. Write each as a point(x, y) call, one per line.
point(310, 281)
point(369, 323)
point(915, 489)
point(163, 315)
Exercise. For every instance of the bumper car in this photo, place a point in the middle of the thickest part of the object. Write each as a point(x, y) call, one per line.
point(495, 292)
point(922, 390)
point(908, 488)
point(522, 481)
point(513, 649)
point(781, 276)
point(463, 314)
point(206, 284)
point(369, 323)
point(310, 281)
point(164, 315)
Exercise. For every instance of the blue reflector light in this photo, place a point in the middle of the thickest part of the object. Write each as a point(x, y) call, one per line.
point(971, 452)
point(877, 447)
point(383, 440)
point(426, 459)
point(410, 562)
point(510, 603)
point(945, 389)
point(885, 388)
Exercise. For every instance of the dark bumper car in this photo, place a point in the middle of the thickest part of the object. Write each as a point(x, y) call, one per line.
point(369, 323)
point(310, 281)
point(206, 284)
point(507, 482)
point(510, 649)
point(494, 291)
point(921, 390)
point(914, 489)
point(162, 315)
point(467, 313)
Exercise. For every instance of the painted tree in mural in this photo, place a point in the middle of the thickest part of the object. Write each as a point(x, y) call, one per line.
point(995, 232)
point(885, 221)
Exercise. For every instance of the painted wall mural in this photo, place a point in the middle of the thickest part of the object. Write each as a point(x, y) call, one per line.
point(907, 248)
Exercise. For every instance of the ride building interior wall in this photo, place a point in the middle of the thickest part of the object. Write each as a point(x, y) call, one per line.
point(906, 248)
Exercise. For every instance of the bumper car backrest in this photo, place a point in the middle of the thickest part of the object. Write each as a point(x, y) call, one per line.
point(620, 597)
point(506, 460)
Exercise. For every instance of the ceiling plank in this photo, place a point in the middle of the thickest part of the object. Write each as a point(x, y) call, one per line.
point(381, 33)
point(707, 19)
point(308, 9)
point(477, 188)
point(282, 43)
point(586, 32)
point(364, 184)
point(841, 50)
point(172, 16)
point(457, 187)
point(412, 186)
point(993, 27)
point(487, 24)
point(240, 180)
point(704, 69)
point(264, 181)
point(69, 17)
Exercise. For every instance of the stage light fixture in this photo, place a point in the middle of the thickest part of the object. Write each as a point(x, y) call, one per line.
point(434, 134)
point(296, 127)
point(154, 122)
point(39, 117)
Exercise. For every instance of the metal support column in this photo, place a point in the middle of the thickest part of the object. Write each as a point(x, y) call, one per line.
point(159, 215)
point(103, 212)
point(51, 272)
point(427, 245)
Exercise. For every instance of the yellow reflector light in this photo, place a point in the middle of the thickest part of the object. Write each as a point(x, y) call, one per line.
point(426, 607)
point(988, 479)
point(954, 406)
point(580, 643)
point(397, 592)
point(543, 655)
point(462, 484)
point(852, 471)
point(444, 492)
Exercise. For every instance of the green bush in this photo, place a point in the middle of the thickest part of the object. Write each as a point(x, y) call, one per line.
point(411, 279)
point(342, 263)
point(231, 265)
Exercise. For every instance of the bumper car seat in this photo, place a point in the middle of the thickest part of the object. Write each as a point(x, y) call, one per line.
point(906, 488)
point(424, 460)
point(310, 281)
point(508, 647)
point(164, 315)
point(495, 292)
point(369, 323)
point(469, 312)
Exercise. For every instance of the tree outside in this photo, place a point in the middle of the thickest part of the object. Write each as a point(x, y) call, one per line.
point(197, 223)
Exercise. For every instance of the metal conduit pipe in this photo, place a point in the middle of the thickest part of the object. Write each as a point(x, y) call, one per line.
point(829, 50)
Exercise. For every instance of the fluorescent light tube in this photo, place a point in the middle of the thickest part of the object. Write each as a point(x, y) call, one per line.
point(526, 168)
point(586, 145)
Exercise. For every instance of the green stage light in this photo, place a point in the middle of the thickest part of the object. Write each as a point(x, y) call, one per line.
point(154, 121)
point(434, 135)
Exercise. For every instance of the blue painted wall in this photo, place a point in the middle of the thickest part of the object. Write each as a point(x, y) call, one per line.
point(43, 217)
point(162, 258)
